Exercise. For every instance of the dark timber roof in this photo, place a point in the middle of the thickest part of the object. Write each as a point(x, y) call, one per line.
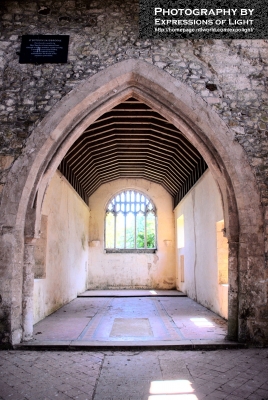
point(132, 141)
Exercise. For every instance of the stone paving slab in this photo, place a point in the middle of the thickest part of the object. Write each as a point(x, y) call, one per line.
point(185, 375)
point(136, 375)
point(48, 375)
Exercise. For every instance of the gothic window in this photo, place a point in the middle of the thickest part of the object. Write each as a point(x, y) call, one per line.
point(130, 222)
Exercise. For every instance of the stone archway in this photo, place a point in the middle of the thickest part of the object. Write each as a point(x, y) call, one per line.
point(22, 198)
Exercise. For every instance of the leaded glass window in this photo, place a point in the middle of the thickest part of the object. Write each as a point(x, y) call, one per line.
point(130, 222)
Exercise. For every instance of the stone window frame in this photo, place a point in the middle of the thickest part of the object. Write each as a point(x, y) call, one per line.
point(138, 203)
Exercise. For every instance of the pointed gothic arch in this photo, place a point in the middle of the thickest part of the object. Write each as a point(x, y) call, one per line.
point(22, 198)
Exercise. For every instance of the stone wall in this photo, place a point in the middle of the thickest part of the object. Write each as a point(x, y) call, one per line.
point(230, 75)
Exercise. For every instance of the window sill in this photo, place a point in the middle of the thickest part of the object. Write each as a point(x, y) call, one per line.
point(139, 251)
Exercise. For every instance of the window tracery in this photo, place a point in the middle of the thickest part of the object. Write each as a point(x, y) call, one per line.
point(130, 222)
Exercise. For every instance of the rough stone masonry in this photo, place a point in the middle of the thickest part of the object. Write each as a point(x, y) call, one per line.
point(230, 75)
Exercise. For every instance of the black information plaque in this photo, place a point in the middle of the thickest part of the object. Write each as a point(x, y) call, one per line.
point(41, 49)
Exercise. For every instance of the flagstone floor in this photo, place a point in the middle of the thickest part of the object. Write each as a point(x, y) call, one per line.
point(137, 317)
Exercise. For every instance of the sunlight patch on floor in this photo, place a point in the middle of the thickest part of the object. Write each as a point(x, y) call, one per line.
point(171, 390)
point(202, 322)
point(173, 397)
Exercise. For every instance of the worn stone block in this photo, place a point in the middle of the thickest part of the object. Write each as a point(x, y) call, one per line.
point(5, 162)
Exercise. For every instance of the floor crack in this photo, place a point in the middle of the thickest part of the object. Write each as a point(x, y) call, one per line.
point(98, 377)
point(159, 362)
point(186, 365)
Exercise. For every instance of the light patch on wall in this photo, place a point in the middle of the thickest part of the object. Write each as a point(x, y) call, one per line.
point(40, 250)
point(109, 231)
point(222, 253)
point(182, 267)
point(180, 232)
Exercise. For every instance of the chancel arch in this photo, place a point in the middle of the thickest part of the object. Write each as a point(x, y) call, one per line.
point(45, 149)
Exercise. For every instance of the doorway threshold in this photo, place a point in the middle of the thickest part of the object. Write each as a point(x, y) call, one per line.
point(132, 293)
point(183, 345)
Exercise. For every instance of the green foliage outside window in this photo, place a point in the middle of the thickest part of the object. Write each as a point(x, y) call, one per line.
point(130, 222)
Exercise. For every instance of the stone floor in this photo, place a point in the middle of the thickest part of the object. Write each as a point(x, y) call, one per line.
point(133, 319)
point(143, 375)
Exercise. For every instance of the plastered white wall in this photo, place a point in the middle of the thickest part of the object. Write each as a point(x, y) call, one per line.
point(123, 270)
point(67, 248)
point(201, 209)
